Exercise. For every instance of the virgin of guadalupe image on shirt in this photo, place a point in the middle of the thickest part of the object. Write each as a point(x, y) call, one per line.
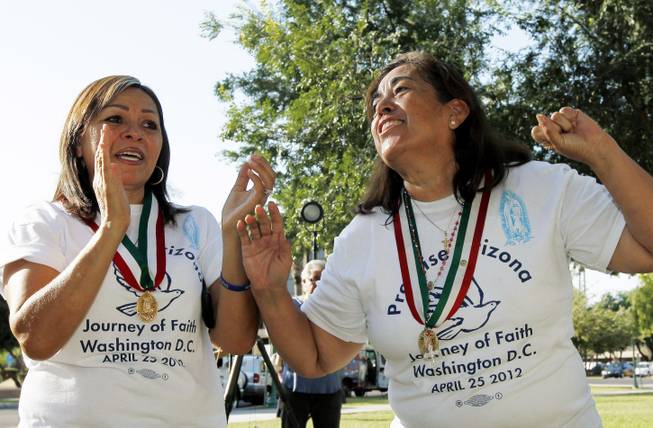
point(514, 219)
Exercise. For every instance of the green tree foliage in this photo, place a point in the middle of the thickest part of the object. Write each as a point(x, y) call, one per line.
point(583, 325)
point(642, 304)
point(595, 55)
point(615, 301)
point(7, 339)
point(302, 104)
point(600, 329)
point(9, 344)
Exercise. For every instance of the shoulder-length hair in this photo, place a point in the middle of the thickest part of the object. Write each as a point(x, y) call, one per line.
point(476, 148)
point(74, 189)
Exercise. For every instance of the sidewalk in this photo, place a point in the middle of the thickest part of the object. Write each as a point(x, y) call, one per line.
point(9, 394)
point(620, 390)
point(8, 390)
point(260, 413)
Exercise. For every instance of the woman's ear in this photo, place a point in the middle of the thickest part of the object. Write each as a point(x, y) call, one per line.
point(459, 112)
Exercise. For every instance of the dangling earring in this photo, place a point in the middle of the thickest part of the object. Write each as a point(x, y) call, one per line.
point(163, 174)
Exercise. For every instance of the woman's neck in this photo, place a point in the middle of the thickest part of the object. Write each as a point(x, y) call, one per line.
point(135, 196)
point(430, 184)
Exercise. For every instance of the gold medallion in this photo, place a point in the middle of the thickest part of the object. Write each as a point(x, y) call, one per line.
point(147, 307)
point(463, 262)
point(430, 285)
point(427, 342)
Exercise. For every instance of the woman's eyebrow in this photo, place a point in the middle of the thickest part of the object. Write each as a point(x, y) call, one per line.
point(124, 107)
point(393, 81)
point(398, 78)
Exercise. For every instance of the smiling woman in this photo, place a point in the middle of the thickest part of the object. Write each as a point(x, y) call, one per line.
point(477, 340)
point(130, 110)
point(114, 290)
point(134, 114)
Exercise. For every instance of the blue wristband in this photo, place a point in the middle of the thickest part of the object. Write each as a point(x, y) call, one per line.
point(233, 287)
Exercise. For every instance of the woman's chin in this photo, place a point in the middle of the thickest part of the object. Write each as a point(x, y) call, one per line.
point(390, 151)
point(134, 177)
point(133, 186)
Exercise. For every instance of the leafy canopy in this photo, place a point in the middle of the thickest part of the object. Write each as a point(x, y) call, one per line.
point(302, 104)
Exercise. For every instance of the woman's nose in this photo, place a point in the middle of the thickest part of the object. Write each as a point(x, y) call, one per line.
point(132, 132)
point(384, 105)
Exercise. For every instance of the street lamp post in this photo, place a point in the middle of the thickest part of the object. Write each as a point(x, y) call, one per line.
point(635, 384)
point(312, 213)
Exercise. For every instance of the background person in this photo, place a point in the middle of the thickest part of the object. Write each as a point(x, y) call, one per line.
point(461, 279)
point(107, 284)
point(321, 398)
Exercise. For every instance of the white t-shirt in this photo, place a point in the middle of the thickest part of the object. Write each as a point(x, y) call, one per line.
point(506, 355)
point(116, 370)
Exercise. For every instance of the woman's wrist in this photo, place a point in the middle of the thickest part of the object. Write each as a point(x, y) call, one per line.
point(234, 287)
point(111, 231)
point(608, 155)
point(230, 235)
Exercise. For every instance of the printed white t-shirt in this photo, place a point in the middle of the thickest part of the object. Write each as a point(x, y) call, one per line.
point(116, 370)
point(506, 355)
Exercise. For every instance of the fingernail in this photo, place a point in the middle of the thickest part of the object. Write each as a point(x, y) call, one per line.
point(541, 119)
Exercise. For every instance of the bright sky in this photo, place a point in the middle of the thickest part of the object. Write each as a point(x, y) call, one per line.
point(50, 50)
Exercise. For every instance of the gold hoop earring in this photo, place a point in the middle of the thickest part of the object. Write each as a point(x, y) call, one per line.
point(163, 174)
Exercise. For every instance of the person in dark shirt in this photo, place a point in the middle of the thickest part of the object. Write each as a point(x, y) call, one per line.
point(319, 398)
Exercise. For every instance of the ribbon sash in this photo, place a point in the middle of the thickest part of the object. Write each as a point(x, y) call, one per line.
point(136, 263)
point(461, 268)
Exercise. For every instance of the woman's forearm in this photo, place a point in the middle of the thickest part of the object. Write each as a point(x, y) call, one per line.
point(632, 189)
point(47, 307)
point(290, 332)
point(236, 313)
point(309, 350)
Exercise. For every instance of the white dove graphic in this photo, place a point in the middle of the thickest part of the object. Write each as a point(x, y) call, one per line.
point(164, 295)
point(472, 314)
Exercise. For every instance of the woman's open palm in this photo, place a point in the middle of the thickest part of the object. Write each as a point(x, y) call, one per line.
point(265, 249)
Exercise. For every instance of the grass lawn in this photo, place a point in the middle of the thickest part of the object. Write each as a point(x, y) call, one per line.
point(618, 411)
point(612, 389)
point(365, 401)
point(354, 420)
point(632, 411)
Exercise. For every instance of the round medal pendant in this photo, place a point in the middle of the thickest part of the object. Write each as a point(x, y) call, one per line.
point(430, 285)
point(427, 342)
point(147, 307)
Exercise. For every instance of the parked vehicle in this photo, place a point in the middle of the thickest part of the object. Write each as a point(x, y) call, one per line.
point(612, 370)
point(593, 368)
point(256, 378)
point(644, 368)
point(223, 363)
point(628, 369)
point(366, 372)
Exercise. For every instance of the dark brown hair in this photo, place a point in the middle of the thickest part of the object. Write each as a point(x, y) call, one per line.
point(74, 189)
point(476, 148)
